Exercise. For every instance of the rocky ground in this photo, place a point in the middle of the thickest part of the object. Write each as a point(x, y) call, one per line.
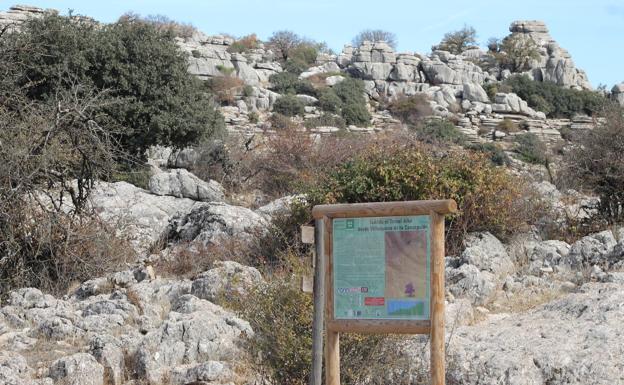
point(528, 311)
point(531, 311)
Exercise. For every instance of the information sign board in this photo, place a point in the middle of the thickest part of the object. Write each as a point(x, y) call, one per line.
point(382, 267)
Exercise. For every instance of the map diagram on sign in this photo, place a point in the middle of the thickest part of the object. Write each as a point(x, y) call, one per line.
point(381, 267)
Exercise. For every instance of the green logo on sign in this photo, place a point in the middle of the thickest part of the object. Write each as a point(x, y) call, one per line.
point(350, 224)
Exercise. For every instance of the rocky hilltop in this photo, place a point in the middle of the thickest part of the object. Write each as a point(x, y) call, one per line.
point(524, 309)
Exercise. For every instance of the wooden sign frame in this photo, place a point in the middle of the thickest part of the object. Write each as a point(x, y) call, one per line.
point(435, 209)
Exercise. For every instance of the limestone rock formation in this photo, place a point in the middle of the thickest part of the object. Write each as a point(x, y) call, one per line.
point(573, 340)
point(555, 63)
point(141, 216)
point(17, 14)
point(211, 223)
point(183, 184)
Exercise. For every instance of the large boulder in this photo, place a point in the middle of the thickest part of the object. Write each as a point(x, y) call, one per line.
point(77, 369)
point(140, 216)
point(212, 223)
point(181, 183)
point(487, 253)
point(226, 279)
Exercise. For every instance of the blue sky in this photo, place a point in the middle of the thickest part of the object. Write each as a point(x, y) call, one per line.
point(592, 31)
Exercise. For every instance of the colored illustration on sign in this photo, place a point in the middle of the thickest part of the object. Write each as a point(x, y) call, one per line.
point(381, 267)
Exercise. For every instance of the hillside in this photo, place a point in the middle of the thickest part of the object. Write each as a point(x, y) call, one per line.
point(153, 181)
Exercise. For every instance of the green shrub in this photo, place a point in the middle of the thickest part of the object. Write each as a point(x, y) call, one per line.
point(489, 198)
point(325, 120)
point(248, 90)
point(148, 91)
point(356, 114)
point(493, 151)
point(351, 92)
point(289, 83)
point(530, 149)
point(329, 101)
point(555, 100)
point(411, 109)
point(253, 117)
point(288, 105)
point(439, 131)
point(227, 71)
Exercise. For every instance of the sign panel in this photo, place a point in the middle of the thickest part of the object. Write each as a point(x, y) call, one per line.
point(381, 267)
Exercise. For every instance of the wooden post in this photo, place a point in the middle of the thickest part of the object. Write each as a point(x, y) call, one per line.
point(437, 299)
point(332, 342)
point(319, 303)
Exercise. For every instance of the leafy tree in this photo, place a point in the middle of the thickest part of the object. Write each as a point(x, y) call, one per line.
point(458, 41)
point(149, 93)
point(375, 35)
point(514, 52)
point(281, 42)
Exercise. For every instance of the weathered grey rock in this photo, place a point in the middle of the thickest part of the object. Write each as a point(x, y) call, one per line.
point(467, 281)
point(554, 63)
point(475, 93)
point(279, 207)
point(307, 100)
point(542, 346)
point(206, 372)
point(226, 279)
point(211, 223)
point(617, 93)
point(77, 369)
point(546, 254)
point(14, 369)
point(107, 351)
point(140, 216)
point(183, 184)
point(333, 80)
point(513, 104)
point(487, 253)
point(591, 250)
point(324, 68)
point(186, 158)
point(209, 333)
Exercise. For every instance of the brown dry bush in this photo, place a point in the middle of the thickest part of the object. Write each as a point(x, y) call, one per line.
point(162, 23)
point(226, 88)
point(410, 109)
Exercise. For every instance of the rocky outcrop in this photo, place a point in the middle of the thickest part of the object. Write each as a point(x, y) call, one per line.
point(212, 223)
point(146, 330)
point(573, 340)
point(555, 63)
point(141, 217)
point(17, 14)
point(617, 93)
point(182, 184)
point(512, 104)
point(209, 57)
